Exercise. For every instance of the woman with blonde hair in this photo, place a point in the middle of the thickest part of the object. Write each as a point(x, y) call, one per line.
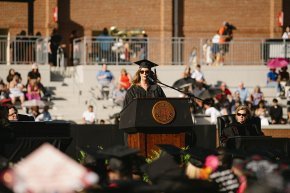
point(144, 83)
point(241, 125)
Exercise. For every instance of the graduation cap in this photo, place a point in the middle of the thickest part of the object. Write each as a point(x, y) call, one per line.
point(164, 167)
point(167, 176)
point(171, 150)
point(119, 151)
point(198, 155)
point(48, 169)
point(145, 64)
point(120, 158)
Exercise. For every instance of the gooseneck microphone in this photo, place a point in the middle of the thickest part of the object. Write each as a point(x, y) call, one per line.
point(150, 79)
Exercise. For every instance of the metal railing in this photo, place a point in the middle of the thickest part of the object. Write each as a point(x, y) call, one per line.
point(23, 49)
point(168, 51)
point(124, 51)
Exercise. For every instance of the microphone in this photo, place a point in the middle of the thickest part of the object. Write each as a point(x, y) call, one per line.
point(151, 80)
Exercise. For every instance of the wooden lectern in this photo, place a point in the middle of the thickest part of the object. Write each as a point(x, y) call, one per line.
point(151, 121)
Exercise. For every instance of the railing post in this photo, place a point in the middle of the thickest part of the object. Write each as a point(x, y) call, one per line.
point(85, 51)
point(8, 59)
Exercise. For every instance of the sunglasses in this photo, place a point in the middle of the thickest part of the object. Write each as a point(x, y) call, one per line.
point(240, 114)
point(144, 71)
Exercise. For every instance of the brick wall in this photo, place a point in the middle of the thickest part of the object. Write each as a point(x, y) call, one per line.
point(200, 17)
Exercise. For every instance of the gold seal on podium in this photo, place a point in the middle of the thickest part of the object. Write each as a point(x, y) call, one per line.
point(163, 112)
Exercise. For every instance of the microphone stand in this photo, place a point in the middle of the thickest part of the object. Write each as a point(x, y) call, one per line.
point(190, 95)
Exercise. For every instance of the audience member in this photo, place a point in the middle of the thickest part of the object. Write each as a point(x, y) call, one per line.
point(12, 113)
point(55, 41)
point(105, 80)
point(16, 89)
point(272, 80)
point(286, 34)
point(187, 72)
point(35, 74)
point(262, 113)
point(224, 176)
point(215, 49)
point(88, 116)
point(4, 93)
point(243, 92)
point(224, 99)
point(207, 52)
point(198, 75)
point(33, 91)
point(192, 61)
point(45, 115)
point(125, 79)
point(211, 110)
point(106, 42)
point(256, 96)
point(10, 75)
point(283, 78)
point(241, 126)
point(34, 111)
point(288, 104)
point(102, 122)
point(119, 96)
point(276, 113)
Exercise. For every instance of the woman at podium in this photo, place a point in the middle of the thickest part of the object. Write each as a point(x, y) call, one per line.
point(144, 83)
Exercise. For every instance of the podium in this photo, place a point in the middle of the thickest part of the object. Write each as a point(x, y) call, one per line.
point(151, 121)
point(277, 147)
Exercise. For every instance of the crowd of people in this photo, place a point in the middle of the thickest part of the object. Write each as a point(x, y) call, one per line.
point(14, 94)
point(214, 49)
point(220, 100)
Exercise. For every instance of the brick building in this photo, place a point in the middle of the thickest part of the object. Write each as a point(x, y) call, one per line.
point(159, 18)
point(256, 18)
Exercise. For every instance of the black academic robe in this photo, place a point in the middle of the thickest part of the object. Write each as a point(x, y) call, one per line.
point(135, 91)
point(237, 129)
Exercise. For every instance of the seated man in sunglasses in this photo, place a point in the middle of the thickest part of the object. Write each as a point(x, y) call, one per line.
point(144, 83)
point(241, 126)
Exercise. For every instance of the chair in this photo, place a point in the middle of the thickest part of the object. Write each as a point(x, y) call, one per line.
point(224, 121)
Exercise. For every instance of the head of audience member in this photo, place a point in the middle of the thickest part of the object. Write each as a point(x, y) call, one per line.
point(257, 89)
point(223, 86)
point(243, 114)
point(104, 67)
point(198, 67)
point(90, 108)
point(284, 69)
point(17, 77)
point(273, 69)
point(124, 72)
point(10, 75)
point(274, 102)
point(12, 113)
point(2, 87)
point(11, 71)
point(241, 85)
point(102, 121)
point(261, 104)
point(35, 111)
point(34, 67)
point(187, 72)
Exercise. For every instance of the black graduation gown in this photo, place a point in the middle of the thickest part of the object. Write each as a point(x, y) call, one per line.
point(135, 91)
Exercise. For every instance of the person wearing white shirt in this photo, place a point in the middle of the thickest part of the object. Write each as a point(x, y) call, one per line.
point(198, 75)
point(286, 34)
point(211, 111)
point(89, 116)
